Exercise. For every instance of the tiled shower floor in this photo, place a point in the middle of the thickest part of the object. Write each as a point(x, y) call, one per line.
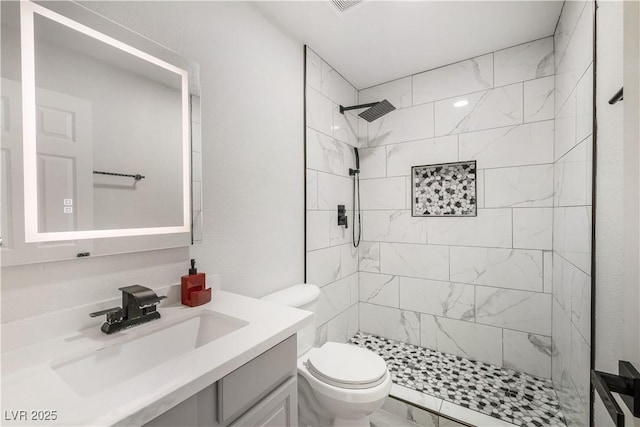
point(511, 396)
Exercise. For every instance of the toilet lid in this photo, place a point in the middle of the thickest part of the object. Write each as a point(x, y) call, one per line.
point(347, 366)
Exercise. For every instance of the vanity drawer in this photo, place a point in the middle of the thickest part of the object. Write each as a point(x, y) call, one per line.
point(251, 382)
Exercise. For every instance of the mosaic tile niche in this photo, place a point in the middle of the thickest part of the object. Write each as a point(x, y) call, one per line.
point(447, 189)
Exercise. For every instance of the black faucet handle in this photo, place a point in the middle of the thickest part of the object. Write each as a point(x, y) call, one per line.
point(107, 311)
point(114, 315)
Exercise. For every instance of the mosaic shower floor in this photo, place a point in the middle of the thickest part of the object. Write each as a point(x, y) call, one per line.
point(508, 395)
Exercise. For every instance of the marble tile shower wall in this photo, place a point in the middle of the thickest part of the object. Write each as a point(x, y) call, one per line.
point(478, 287)
point(572, 208)
point(332, 261)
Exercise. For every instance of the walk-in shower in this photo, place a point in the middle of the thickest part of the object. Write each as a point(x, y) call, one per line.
point(492, 344)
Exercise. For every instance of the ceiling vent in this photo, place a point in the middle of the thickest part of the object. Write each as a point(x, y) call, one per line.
point(343, 5)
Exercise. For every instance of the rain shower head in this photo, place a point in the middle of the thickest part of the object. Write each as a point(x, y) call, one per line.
point(374, 112)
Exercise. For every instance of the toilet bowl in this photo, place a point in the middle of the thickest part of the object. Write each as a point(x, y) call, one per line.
point(345, 382)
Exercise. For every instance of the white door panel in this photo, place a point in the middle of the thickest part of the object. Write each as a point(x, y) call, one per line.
point(55, 123)
point(56, 177)
point(65, 162)
point(64, 166)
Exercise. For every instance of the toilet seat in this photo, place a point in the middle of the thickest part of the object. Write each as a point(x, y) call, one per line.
point(347, 366)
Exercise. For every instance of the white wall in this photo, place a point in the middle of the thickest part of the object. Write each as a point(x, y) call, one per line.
point(617, 286)
point(252, 107)
point(251, 79)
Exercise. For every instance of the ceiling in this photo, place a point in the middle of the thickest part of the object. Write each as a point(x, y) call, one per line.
point(378, 41)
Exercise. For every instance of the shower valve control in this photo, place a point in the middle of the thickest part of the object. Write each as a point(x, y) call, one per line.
point(342, 216)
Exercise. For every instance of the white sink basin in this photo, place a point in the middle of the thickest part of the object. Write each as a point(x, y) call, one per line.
point(112, 365)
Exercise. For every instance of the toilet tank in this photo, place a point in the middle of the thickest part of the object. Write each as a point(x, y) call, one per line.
point(304, 297)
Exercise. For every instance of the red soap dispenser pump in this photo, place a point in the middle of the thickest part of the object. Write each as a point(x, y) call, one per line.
point(193, 288)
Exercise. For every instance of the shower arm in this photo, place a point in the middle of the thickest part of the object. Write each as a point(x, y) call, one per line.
point(357, 107)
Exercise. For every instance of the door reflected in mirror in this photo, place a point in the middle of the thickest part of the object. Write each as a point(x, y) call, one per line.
point(96, 135)
point(100, 106)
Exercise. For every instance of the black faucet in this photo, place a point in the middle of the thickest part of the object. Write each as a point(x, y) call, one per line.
point(138, 307)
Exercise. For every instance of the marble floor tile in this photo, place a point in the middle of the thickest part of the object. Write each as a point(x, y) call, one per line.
point(475, 392)
point(410, 413)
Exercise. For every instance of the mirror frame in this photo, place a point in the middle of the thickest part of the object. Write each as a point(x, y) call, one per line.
point(71, 14)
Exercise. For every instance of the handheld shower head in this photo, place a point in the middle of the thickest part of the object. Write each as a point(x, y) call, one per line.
point(353, 172)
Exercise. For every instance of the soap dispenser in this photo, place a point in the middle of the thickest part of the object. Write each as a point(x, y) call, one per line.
point(193, 288)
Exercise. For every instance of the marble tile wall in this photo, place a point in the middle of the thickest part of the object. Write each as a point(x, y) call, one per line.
point(478, 287)
point(572, 208)
point(332, 261)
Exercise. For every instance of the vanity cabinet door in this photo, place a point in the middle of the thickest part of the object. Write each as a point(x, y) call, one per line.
point(245, 387)
point(197, 411)
point(278, 409)
point(262, 392)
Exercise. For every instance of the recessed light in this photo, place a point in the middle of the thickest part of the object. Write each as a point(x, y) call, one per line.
point(460, 103)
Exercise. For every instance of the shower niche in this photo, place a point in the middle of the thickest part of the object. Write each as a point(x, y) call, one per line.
point(447, 189)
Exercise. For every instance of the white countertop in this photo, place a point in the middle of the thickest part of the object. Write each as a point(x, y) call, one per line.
point(30, 384)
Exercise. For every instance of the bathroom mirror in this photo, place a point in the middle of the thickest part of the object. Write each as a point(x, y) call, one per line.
point(96, 136)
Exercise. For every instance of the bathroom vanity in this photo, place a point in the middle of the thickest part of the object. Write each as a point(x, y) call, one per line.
point(229, 362)
point(261, 392)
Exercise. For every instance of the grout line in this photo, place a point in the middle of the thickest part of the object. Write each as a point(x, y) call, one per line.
point(559, 253)
point(572, 31)
point(523, 105)
point(449, 264)
point(513, 239)
point(479, 169)
point(493, 65)
point(475, 322)
point(425, 218)
point(434, 119)
point(456, 282)
point(484, 189)
point(412, 87)
point(502, 337)
point(451, 246)
point(443, 136)
point(459, 62)
point(479, 91)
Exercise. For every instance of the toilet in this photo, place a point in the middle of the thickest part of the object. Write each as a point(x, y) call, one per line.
point(342, 384)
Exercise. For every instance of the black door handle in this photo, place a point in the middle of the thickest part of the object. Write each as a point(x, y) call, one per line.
point(627, 383)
